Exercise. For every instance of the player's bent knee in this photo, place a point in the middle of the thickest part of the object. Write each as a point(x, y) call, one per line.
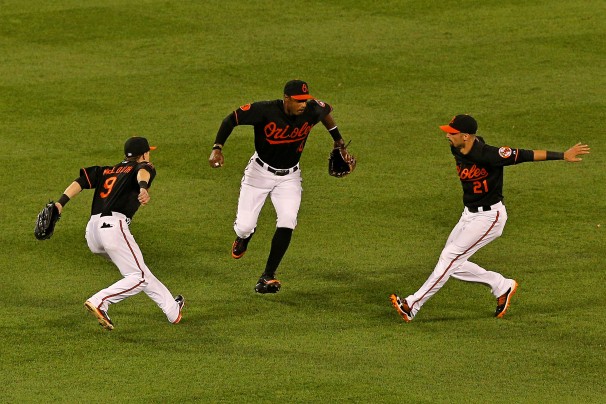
point(287, 225)
point(135, 275)
point(288, 222)
point(244, 230)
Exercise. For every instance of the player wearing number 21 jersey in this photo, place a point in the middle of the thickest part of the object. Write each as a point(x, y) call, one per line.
point(119, 191)
point(480, 169)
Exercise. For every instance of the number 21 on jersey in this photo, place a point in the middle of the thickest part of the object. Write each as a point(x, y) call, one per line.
point(480, 187)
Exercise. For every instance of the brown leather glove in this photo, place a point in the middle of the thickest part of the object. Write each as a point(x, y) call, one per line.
point(340, 162)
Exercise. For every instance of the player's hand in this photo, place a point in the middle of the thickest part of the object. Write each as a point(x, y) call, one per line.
point(216, 159)
point(571, 154)
point(143, 196)
point(59, 207)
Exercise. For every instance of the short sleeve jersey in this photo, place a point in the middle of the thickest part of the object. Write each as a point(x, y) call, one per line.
point(481, 171)
point(116, 187)
point(280, 138)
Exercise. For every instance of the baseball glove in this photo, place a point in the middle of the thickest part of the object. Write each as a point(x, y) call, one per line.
point(47, 218)
point(340, 162)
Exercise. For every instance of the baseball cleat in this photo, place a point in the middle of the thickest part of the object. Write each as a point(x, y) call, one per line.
point(504, 300)
point(401, 307)
point(239, 246)
point(102, 317)
point(268, 284)
point(181, 302)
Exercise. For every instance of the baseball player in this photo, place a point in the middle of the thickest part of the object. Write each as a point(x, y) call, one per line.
point(119, 191)
point(281, 128)
point(480, 169)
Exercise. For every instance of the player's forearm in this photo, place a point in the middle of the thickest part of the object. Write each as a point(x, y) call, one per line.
point(330, 124)
point(542, 155)
point(72, 190)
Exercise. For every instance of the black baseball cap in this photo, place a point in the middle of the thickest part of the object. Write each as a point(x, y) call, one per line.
point(298, 90)
point(137, 146)
point(461, 124)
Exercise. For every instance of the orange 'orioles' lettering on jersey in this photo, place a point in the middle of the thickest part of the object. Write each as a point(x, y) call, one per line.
point(277, 135)
point(472, 173)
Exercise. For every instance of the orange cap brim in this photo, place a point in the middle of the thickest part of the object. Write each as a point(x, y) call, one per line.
point(301, 97)
point(449, 129)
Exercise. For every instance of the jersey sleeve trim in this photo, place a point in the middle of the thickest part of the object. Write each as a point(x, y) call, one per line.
point(83, 170)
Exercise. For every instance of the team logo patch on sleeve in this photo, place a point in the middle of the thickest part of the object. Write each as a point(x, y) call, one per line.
point(505, 152)
point(245, 107)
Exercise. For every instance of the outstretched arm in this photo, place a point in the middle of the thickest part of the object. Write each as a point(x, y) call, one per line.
point(72, 190)
point(569, 155)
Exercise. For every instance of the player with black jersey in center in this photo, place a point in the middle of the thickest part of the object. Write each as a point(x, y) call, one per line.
point(281, 128)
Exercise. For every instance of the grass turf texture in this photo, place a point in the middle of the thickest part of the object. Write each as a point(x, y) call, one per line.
point(77, 78)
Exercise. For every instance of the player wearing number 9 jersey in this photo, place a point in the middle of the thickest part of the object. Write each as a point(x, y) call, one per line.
point(119, 191)
point(480, 169)
point(116, 187)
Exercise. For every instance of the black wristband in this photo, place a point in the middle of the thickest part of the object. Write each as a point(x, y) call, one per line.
point(143, 184)
point(336, 135)
point(217, 147)
point(63, 200)
point(552, 155)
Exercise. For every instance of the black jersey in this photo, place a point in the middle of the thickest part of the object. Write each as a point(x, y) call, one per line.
point(481, 171)
point(280, 138)
point(116, 188)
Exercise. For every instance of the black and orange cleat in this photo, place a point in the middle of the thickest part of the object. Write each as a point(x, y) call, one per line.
point(504, 300)
point(267, 284)
point(239, 246)
point(401, 307)
point(181, 302)
point(101, 315)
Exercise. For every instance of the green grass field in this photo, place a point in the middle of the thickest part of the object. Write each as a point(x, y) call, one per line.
point(79, 77)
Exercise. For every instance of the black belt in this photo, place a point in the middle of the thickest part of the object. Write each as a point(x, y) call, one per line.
point(126, 218)
point(477, 209)
point(276, 171)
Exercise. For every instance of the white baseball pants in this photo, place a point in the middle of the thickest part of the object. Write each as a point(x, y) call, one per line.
point(109, 236)
point(257, 184)
point(472, 232)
